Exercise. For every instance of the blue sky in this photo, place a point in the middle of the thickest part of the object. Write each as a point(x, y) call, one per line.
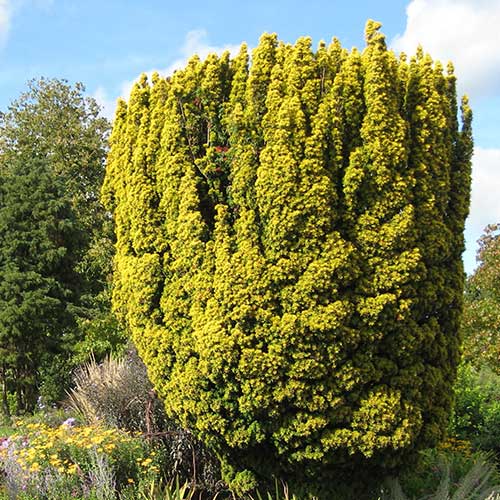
point(107, 44)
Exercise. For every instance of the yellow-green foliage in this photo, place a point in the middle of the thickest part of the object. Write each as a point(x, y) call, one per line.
point(289, 238)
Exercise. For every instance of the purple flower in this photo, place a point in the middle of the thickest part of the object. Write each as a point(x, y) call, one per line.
point(69, 422)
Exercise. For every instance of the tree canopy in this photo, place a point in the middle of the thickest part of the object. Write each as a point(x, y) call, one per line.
point(481, 323)
point(55, 120)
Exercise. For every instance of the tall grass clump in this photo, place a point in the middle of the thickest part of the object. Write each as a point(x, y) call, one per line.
point(117, 392)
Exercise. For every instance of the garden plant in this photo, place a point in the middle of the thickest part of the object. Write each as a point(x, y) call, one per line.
point(289, 232)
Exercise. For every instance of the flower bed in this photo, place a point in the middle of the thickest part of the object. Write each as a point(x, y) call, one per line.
point(86, 461)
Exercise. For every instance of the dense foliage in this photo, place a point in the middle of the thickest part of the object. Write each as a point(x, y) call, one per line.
point(39, 247)
point(52, 148)
point(476, 413)
point(55, 120)
point(289, 238)
point(481, 323)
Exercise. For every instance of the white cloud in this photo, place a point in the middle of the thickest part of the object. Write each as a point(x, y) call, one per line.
point(485, 199)
point(194, 43)
point(106, 103)
point(9, 8)
point(5, 16)
point(463, 31)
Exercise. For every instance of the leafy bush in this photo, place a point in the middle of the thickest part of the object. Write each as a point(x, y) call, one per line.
point(55, 379)
point(288, 252)
point(476, 415)
point(447, 474)
point(481, 320)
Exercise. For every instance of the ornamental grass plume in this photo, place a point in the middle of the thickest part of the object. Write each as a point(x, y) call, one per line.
point(117, 392)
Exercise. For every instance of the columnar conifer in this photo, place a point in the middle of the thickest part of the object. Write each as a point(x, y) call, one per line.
point(289, 238)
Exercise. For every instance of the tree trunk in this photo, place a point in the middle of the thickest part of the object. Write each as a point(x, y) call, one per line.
point(5, 401)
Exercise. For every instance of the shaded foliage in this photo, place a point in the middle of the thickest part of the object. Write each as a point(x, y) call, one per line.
point(53, 122)
point(39, 248)
point(476, 413)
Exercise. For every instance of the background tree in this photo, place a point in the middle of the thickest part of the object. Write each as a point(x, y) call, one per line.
point(55, 121)
point(481, 323)
point(39, 248)
point(289, 253)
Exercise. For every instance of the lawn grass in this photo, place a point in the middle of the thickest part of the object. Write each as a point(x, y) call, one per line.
point(6, 430)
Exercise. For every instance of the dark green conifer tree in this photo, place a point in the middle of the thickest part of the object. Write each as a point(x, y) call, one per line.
point(40, 243)
point(58, 122)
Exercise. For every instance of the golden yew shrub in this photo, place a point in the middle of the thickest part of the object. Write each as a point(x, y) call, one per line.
point(289, 238)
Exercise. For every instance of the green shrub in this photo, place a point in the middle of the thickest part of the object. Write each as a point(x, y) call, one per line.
point(55, 379)
point(476, 414)
point(288, 256)
point(447, 474)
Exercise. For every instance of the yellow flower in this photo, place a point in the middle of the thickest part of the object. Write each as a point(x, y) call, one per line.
point(130, 480)
point(35, 467)
point(72, 469)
